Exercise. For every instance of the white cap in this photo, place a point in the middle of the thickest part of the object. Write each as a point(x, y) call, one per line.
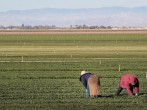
point(84, 72)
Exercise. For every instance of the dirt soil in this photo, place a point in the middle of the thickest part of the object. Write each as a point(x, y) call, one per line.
point(81, 31)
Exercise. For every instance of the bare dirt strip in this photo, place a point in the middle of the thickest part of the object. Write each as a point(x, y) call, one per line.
point(46, 32)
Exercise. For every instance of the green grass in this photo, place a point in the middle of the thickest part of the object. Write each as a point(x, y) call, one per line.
point(55, 84)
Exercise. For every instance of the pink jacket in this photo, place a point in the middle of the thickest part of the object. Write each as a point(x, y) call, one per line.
point(127, 80)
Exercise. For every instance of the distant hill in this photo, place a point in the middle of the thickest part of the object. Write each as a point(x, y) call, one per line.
point(107, 16)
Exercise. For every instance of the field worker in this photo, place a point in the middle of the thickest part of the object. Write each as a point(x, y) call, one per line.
point(92, 84)
point(129, 82)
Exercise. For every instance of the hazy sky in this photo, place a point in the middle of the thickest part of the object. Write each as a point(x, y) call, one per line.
point(6, 5)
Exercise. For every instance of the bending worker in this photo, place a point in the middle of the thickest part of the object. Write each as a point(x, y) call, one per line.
point(91, 83)
point(129, 82)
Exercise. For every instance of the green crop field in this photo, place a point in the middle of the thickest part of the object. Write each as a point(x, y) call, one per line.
point(41, 72)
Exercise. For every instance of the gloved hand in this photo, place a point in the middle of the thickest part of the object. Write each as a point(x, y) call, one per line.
point(136, 94)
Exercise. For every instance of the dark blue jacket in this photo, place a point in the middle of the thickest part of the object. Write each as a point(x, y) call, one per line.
point(84, 79)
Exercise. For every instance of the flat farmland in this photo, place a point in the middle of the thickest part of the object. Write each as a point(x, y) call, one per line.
point(41, 71)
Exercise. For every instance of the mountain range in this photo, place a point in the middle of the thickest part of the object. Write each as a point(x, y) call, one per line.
point(106, 16)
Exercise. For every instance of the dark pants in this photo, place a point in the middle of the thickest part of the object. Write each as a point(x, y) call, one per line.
point(120, 89)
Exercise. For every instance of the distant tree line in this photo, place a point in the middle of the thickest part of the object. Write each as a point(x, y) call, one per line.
point(43, 27)
point(29, 27)
point(91, 27)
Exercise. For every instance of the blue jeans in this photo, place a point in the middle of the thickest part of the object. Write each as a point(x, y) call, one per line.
point(87, 91)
